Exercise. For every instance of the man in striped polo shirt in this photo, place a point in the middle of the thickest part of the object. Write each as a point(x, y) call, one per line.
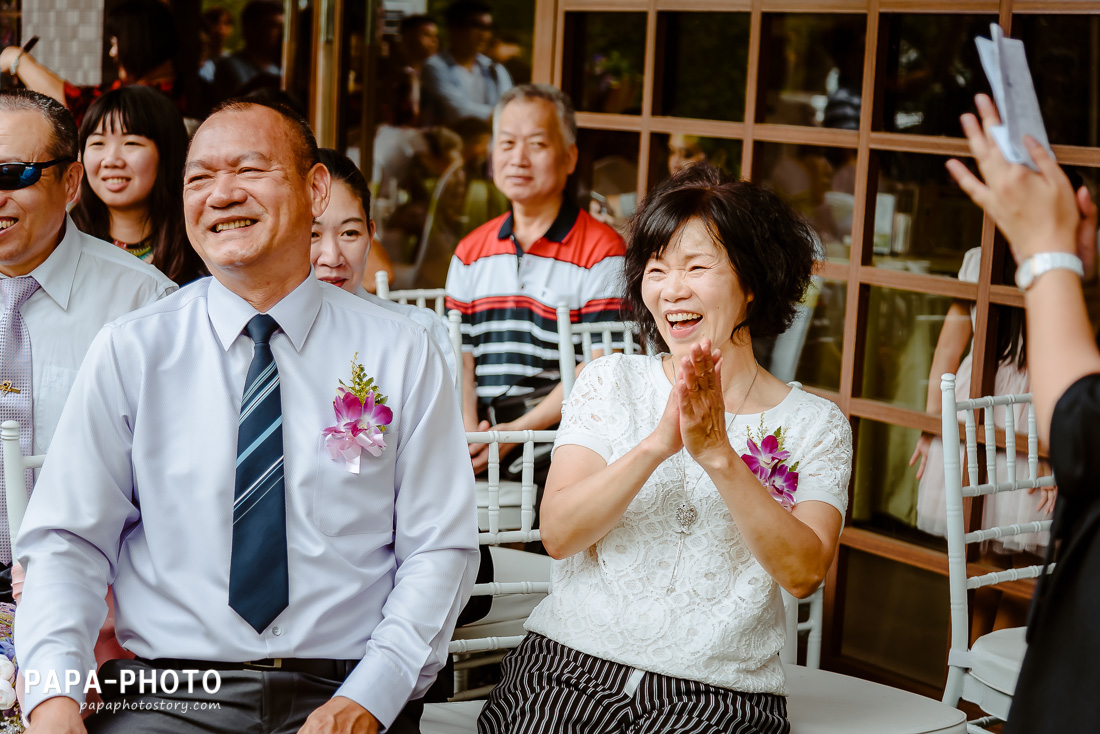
point(508, 276)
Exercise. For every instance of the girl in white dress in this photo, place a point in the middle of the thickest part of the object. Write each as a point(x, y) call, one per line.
point(1011, 378)
point(686, 488)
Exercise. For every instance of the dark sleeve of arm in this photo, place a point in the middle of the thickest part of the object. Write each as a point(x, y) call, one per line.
point(1075, 437)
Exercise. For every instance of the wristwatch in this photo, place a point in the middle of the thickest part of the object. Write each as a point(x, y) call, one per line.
point(1036, 265)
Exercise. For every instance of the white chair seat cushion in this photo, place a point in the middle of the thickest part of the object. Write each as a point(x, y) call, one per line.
point(451, 718)
point(995, 659)
point(509, 611)
point(820, 703)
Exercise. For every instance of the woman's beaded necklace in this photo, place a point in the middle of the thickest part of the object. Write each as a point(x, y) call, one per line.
point(140, 250)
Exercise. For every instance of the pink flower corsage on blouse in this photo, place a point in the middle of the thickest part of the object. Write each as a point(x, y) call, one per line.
point(768, 461)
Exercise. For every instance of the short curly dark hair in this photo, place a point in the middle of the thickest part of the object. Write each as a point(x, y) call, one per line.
point(772, 249)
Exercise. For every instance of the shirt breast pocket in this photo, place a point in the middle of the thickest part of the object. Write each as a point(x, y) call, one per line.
point(355, 504)
point(51, 389)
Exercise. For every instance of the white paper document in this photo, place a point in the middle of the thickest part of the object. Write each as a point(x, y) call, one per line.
point(1005, 65)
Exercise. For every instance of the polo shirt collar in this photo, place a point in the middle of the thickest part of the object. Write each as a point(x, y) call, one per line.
point(559, 229)
point(58, 272)
point(295, 314)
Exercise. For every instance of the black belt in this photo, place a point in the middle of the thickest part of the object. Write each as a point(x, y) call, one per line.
point(336, 670)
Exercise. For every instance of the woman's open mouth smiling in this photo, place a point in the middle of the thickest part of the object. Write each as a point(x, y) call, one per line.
point(683, 322)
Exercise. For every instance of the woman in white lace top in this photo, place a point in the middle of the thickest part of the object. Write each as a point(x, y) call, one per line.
point(685, 489)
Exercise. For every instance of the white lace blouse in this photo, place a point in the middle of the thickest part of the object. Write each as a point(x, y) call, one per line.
point(722, 621)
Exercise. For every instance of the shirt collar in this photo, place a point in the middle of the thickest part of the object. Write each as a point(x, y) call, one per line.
point(57, 273)
point(295, 314)
point(558, 231)
point(480, 59)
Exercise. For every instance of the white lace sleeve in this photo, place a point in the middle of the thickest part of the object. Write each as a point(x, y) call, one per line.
point(825, 460)
point(584, 415)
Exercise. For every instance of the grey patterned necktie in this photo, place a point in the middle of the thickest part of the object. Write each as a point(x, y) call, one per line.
point(15, 382)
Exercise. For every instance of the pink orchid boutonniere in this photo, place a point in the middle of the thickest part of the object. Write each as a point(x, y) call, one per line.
point(361, 419)
point(767, 459)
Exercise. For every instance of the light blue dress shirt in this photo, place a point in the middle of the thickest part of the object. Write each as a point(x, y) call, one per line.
point(137, 491)
point(451, 92)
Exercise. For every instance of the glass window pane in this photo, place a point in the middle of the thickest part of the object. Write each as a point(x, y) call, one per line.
point(823, 335)
point(419, 186)
point(896, 617)
point(1061, 51)
point(923, 222)
point(819, 182)
point(810, 350)
point(607, 175)
point(931, 71)
point(902, 330)
point(704, 65)
point(811, 69)
point(886, 487)
point(670, 153)
point(603, 61)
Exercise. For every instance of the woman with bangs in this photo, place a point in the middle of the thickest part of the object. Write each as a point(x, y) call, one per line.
point(133, 144)
point(687, 487)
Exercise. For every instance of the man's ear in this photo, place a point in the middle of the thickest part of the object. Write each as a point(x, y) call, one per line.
point(370, 229)
point(571, 159)
point(320, 186)
point(72, 177)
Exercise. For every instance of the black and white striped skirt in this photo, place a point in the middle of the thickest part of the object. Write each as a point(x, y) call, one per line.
point(548, 687)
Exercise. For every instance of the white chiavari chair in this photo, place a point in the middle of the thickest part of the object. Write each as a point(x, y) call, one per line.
point(613, 336)
point(416, 296)
point(520, 579)
point(15, 467)
point(984, 673)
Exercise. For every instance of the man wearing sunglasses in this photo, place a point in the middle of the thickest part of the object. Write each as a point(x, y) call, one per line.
point(58, 285)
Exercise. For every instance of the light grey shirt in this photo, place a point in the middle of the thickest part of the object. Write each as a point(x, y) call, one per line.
point(138, 491)
point(85, 283)
point(451, 92)
point(427, 318)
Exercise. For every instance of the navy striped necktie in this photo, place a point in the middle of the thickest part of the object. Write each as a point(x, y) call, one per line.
point(259, 583)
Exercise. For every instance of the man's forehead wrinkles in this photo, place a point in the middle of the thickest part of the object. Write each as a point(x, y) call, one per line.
point(232, 159)
point(529, 134)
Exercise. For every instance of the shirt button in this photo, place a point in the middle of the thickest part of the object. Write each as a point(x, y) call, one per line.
point(276, 631)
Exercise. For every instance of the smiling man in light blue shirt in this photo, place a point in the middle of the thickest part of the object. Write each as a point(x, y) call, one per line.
point(321, 579)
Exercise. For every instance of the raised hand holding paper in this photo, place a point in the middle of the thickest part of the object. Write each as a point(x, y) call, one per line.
point(1005, 65)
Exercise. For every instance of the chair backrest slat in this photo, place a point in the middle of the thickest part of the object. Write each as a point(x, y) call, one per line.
point(971, 447)
point(1032, 446)
point(990, 444)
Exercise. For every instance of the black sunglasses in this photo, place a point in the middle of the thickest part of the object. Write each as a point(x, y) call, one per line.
point(21, 175)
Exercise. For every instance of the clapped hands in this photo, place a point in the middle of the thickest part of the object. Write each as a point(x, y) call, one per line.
point(695, 415)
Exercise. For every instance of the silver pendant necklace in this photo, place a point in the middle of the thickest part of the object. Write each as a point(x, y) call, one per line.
point(686, 514)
